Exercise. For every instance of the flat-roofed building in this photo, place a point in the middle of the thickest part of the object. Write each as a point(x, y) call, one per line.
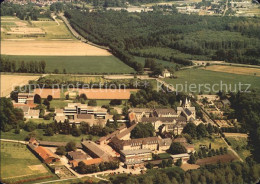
point(135, 157)
point(23, 97)
point(184, 157)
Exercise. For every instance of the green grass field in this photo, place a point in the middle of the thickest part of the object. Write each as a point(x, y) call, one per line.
point(50, 27)
point(239, 144)
point(209, 78)
point(40, 136)
point(38, 121)
point(79, 64)
point(59, 104)
point(216, 143)
point(15, 162)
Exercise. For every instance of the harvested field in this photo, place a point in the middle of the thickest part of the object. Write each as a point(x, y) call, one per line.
point(9, 82)
point(215, 159)
point(236, 135)
point(106, 94)
point(51, 48)
point(234, 69)
point(187, 167)
point(55, 93)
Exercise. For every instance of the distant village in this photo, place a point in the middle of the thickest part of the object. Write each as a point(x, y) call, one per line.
point(215, 7)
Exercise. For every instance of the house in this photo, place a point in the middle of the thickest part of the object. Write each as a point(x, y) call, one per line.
point(135, 158)
point(29, 113)
point(164, 113)
point(22, 97)
point(140, 113)
point(166, 73)
point(167, 124)
point(46, 155)
point(94, 161)
point(150, 143)
point(184, 157)
point(76, 155)
point(95, 151)
point(187, 110)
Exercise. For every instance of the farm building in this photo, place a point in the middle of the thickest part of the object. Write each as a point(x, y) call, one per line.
point(23, 97)
point(46, 155)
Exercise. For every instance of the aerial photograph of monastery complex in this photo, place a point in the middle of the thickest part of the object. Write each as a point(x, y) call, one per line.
point(130, 92)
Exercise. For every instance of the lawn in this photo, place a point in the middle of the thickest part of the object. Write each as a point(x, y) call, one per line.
point(15, 162)
point(211, 81)
point(59, 104)
point(54, 31)
point(40, 136)
point(38, 121)
point(80, 64)
point(164, 155)
point(216, 143)
point(239, 144)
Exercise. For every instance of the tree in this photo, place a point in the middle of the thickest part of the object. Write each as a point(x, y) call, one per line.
point(61, 150)
point(190, 129)
point(30, 126)
point(178, 162)
point(67, 97)
point(177, 148)
point(49, 131)
point(83, 96)
point(143, 130)
point(201, 130)
point(49, 98)
point(149, 165)
point(37, 99)
point(71, 146)
point(92, 103)
point(115, 102)
point(192, 159)
point(46, 102)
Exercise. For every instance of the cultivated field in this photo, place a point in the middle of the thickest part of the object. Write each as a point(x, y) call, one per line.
point(234, 69)
point(18, 163)
point(50, 48)
point(201, 78)
point(215, 159)
point(79, 64)
point(9, 82)
point(50, 38)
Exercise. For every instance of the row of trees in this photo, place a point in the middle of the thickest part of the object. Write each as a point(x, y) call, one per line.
point(82, 168)
point(22, 67)
point(235, 172)
point(196, 132)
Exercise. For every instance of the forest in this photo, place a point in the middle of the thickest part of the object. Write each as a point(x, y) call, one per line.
point(233, 39)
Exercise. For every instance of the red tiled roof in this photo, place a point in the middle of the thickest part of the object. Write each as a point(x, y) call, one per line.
point(44, 153)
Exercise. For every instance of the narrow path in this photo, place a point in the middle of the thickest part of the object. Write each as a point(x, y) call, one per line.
point(54, 18)
point(233, 151)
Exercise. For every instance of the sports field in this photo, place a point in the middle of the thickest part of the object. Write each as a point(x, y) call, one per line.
point(79, 64)
point(203, 79)
point(9, 82)
point(234, 69)
point(18, 163)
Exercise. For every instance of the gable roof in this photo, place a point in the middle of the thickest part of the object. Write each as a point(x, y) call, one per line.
point(45, 153)
point(165, 111)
